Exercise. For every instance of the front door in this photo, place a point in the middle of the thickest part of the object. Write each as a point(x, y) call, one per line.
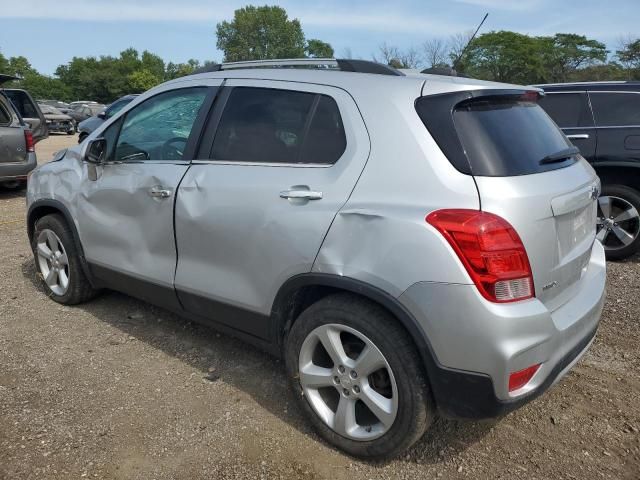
point(125, 208)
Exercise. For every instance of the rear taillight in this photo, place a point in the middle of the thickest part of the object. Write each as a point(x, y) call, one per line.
point(491, 251)
point(28, 140)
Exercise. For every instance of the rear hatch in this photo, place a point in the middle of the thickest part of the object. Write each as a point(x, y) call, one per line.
point(528, 173)
point(27, 108)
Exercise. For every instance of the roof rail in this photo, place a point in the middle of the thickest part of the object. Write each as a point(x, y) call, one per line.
point(344, 65)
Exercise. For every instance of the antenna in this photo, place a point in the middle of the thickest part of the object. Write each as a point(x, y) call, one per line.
point(464, 50)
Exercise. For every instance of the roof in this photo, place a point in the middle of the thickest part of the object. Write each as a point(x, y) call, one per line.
point(591, 86)
point(356, 81)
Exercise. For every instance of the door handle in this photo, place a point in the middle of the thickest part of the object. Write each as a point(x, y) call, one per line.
point(159, 192)
point(305, 194)
point(579, 136)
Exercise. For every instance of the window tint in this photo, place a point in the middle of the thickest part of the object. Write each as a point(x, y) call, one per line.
point(275, 126)
point(505, 137)
point(158, 128)
point(5, 118)
point(496, 136)
point(326, 142)
point(116, 107)
point(23, 104)
point(616, 109)
point(568, 109)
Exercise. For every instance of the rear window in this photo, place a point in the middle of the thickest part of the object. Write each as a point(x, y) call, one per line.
point(23, 103)
point(493, 135)
point(5, 118)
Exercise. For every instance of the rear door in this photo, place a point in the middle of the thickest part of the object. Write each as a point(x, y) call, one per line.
point(125, 206)
point(276, 164)
point(617, 117)
point(572, 113)
point(30, 113)
point(551, 204)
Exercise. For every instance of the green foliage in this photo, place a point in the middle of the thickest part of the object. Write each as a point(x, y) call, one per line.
point(318, 49)
point(142, 80)
point(516, 58)
point(505, 57)
point(260, 33)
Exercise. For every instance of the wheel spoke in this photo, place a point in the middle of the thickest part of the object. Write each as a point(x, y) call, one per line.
point(602, 235)
point(369, 361)
point(53, 242)
point(330, 339)
point(344, 421)
point(605, 206)
point(63, 278)
point(52, 278)
point(625, 237)
point(313, 376)
point(64, 260)
point(43, 250)
point(380, 406)
point(629, 214)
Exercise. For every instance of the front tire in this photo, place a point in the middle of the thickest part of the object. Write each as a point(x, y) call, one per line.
point(358, 377)
point(619, 221)
point(58, 262)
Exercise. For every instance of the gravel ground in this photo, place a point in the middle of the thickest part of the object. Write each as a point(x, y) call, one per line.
point(117, 388)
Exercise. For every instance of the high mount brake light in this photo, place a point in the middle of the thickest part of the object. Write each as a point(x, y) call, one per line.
point(491, 251)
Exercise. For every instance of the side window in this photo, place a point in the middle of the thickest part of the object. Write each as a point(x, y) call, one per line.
point(616, 109)
point(5, 118)
point(158, 129)
point(265, 125)
point(326, 141)
point(568, 109)
point(22, 103)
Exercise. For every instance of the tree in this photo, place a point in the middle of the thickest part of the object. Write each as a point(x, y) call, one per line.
point(318, 49)
point(505, 57)
point(435, 52)
point(629, 55)
point(565, 53)
point(259, 33)
point(142, 80)
point(397, 58)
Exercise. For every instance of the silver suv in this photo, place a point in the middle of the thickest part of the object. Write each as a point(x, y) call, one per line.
point(410, 244)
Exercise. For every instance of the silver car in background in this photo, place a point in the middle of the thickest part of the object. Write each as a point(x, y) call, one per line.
point(17, 152)
point(410, 244)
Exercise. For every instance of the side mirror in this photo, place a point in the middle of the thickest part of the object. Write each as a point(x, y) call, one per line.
point(102, 115)
point(96, 151)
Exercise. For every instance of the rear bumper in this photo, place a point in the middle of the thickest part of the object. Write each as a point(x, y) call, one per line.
point(477, 344)
point(17, 171)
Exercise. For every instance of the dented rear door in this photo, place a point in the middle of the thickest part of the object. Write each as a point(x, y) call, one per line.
point(253, 210)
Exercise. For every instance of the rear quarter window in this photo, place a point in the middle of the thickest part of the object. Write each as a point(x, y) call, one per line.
point(5, 118)
point(493, 135)
point(616, 109)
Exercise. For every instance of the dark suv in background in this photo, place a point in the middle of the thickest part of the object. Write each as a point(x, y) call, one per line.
point(603, 120)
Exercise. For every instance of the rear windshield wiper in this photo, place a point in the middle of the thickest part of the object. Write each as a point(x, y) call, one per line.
point(560, 156)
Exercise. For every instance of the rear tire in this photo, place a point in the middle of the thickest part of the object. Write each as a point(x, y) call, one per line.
point(58, 262)
point(618, 210)
point(398, 385)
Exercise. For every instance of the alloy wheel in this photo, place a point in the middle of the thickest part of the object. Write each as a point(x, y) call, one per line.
point(348, 382)
point(618, 222)
point(53, 262)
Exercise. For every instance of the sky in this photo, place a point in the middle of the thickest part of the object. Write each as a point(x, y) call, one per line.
point(51, 32)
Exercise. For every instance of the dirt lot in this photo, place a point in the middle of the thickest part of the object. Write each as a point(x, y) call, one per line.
point(116, 389)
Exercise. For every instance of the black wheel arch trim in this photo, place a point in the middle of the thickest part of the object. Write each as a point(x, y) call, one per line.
point(64, 211)
point(456, 393)
point(605, 164)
